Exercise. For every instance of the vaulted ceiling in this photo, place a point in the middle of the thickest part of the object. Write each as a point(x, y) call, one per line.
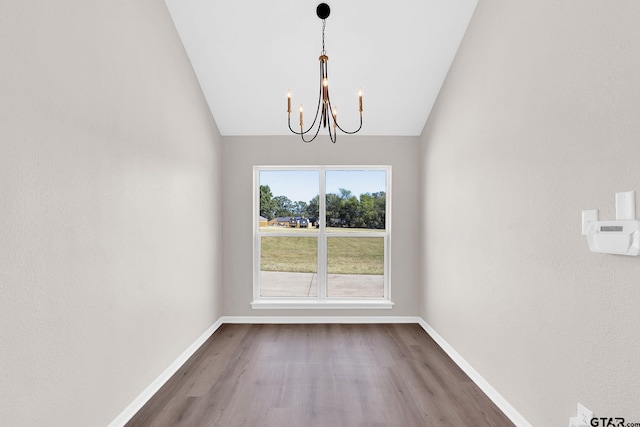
point(247, 54)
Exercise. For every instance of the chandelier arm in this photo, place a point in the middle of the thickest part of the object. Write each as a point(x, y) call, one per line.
point(314, 136)
point(306, 131)
point(351, 133)
point(293, 131)
point(314, 119)
point(317, 112)
point(338, 126)
point(333, 137)
point(331, 121)
point(317, 107)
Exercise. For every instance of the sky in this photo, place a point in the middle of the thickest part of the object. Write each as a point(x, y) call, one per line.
point(303, 185)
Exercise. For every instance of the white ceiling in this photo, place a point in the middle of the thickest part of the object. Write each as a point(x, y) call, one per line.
point(247, 54)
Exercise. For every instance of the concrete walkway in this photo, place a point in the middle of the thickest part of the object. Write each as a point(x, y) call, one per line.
point(281, 284)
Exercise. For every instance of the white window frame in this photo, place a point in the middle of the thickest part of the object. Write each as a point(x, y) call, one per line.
point(322, 301)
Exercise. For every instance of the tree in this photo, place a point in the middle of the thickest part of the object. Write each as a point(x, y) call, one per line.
point(380, 201)
point(333, 210)
point(267, 206)
point(367, 211)
point(345, 194)
point(299, 208)
point(313, 208)
point(342, 209)
point(283, 206)
point(350, 212)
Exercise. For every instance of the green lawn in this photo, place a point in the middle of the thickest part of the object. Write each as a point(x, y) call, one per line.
point(346, 255)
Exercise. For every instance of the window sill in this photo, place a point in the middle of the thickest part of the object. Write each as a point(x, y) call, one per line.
point(348, 304)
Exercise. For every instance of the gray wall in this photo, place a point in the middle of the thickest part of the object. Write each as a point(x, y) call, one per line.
point(539, 118)
point(240, 154)
point(109, 179)
point(112, 169)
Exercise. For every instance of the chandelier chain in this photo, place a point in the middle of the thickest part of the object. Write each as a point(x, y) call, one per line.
point(324, 23)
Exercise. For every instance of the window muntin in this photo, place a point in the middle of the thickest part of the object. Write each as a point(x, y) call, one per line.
point(341, 213)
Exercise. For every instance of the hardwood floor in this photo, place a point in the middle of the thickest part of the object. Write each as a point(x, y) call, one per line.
point(320, 376)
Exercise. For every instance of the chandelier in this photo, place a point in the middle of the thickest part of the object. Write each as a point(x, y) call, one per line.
point(328, 115)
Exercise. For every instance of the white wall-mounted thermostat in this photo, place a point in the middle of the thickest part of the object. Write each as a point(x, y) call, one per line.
point(614, 237)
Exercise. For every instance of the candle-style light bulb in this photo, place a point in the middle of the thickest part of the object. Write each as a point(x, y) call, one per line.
point(301, 121)
point(360, 99)
point(288, 101)
point(325, 90)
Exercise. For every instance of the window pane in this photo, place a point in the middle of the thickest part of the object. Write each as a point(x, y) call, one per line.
point(288, 266)
point(355, 199)
point(289, 200)
point(355, 266)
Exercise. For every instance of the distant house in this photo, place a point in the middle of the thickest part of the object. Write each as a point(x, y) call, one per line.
point(290, 221)
point(263, 221)
point(283, 221)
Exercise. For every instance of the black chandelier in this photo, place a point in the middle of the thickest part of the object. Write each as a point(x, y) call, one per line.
point(328, 114)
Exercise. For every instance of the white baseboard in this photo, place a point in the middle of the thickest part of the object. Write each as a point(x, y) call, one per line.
point(491, 392)
point(153, 388)
point(318, 319)
point(483, 384)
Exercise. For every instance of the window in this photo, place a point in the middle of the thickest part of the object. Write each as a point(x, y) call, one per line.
point(321, 237)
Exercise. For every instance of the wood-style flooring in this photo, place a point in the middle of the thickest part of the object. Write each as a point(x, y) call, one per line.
point(329, 375)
